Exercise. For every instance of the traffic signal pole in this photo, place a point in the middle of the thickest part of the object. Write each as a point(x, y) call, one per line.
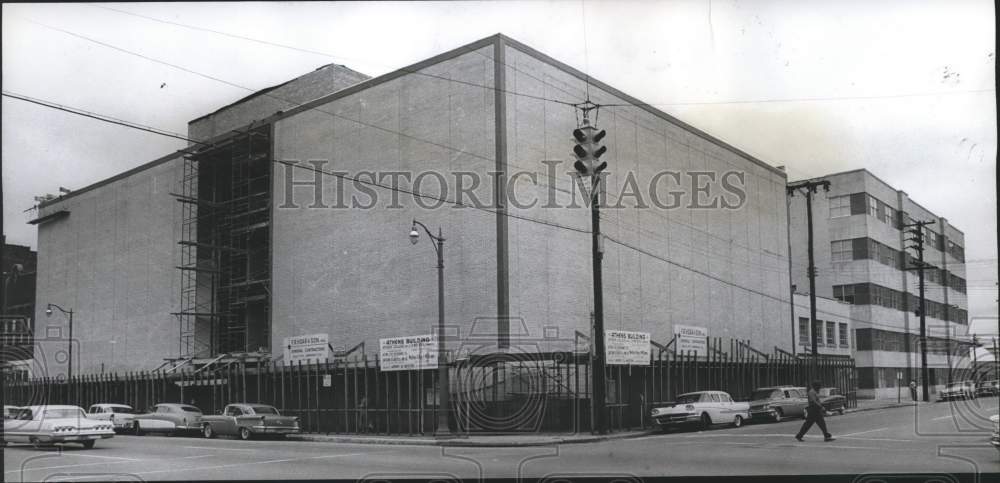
point(588, 152)
point(810, 188)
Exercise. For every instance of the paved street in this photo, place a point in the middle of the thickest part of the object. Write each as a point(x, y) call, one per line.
point(932, 438)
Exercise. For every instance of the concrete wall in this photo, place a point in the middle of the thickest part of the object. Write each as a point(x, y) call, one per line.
point(112, 262)
point(318, 83)
point(725, 270)
point(352, 272)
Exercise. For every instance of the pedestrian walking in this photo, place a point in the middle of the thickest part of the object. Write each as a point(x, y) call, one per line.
point(814, 414)
point(913, 390)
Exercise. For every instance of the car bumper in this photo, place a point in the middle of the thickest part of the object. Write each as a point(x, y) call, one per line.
point(762, 414)
point(69, 438)
point(996, 441)
point(276, 429)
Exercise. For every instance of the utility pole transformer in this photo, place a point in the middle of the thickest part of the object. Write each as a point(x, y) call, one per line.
point(809, 187)
point(916, 229)
point(588, 151)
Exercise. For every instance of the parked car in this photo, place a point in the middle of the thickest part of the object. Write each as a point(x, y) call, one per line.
point(49, 425)
point(120, 415)
point(962, 389)
point(988, 388)
point(777, 403)
point(9, 412)
point(832, 399)
point(247, 420)
point(995, 439)
point(167, 418)
point(704, 408)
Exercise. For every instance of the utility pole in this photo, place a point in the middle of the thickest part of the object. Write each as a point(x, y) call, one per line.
point(917, 230)
point(588, 151)
point(947, 335)
point(809, 187)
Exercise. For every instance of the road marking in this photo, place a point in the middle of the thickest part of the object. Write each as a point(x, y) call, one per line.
point(20, 470)
point(261, 462)
point(219, 447)
point(64, 453)
point(950, 416)
point(863, 432)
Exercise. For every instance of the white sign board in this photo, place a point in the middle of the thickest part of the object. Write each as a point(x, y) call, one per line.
point(327, 380)
point(408, 353)
point(691, 339)
point(623, 347)
point(308, 349)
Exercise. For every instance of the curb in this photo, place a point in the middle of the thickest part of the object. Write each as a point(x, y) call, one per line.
point(890, 406)
point(460, 442)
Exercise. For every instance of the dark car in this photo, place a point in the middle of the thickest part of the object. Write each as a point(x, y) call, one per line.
point(988, 388)
point(247, 420)
point(777, 403)
point(833, 400)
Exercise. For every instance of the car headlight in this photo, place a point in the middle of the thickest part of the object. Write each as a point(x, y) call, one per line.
point(689, 407)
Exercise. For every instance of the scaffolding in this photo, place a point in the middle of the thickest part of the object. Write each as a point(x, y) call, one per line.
point(225, 268)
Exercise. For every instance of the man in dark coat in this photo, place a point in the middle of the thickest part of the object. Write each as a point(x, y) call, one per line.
point(814, 414)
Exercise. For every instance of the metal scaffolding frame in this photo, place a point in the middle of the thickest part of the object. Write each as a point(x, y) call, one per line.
point(225, 270)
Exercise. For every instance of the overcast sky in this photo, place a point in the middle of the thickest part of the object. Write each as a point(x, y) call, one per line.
point(905, 89)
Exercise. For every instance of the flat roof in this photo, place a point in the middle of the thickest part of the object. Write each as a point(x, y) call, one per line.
point(372, 82)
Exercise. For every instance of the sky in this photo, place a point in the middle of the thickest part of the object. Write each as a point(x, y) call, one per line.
point(905, 89)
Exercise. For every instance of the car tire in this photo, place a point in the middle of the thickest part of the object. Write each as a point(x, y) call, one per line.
point(136, 430)
point(35, 443)
point(706, 421)
point(245, 433)
point(840, 410)
point(777, 415)
point(207, 431)
point(89, 444)
point(738, 421)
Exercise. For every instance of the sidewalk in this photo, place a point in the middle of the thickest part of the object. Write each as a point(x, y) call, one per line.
point(529, 439)
point(473, 440)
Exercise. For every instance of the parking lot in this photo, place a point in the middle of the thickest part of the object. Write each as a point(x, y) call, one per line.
point(930, 438)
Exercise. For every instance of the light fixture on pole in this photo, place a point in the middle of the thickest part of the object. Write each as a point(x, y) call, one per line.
point(443, 390)
point(69, 359)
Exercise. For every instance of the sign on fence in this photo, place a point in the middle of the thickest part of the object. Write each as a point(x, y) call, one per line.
point(307, 348)
point(408, 353)
point(691, 339)
point(626, 348)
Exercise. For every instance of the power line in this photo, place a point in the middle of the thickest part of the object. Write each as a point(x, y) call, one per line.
point(99, 117)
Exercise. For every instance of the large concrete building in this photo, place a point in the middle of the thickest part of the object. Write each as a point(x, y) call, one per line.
point(261, 230)
point(861, 255)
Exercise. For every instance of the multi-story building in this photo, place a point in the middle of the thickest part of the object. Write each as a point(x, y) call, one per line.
point(17, 306)
point(861, 256)
point(270, 226)
point(835, 333)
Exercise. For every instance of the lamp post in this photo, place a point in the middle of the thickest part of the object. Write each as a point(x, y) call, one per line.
point(443, 391)
point(69, 360)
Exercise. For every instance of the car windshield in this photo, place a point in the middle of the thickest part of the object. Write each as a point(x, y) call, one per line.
point(264, 410)
point(688, 398)
point(62, 413)
point(766, 394)
point(123, 410)
point(190, 409)
point(833, 391)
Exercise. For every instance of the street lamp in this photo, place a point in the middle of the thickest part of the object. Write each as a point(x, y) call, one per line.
point(443, 392)
point(69, 361)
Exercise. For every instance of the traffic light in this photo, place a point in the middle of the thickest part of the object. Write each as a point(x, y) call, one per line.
point(588, 149)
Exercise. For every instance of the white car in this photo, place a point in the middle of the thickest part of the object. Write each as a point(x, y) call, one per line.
point(48, 425)
point(995, 438)
point(964, 390)
point(704, 408)
point(120, 415)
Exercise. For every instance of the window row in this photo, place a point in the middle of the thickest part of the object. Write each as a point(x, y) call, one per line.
point(831, 336)
point(884, 340)
point(872, 294)
point(868, 249)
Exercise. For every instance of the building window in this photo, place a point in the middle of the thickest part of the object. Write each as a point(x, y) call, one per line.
point(842, 251)
point(803, 331)
point(844, 293)
point(878, 296)
point(931, 239)
point(844, 336)
point(840, 206)
point(872, 206)
point(831, 334)
point(890, 215)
